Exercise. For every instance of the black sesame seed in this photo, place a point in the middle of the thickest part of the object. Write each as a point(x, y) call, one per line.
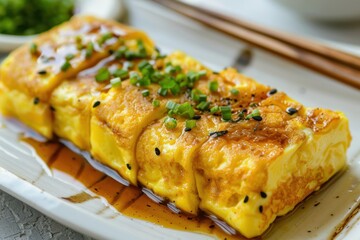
point(36, 100)
point(257, 118)
point(272, 91)
point(316, 204)
point(157, 151)
point(42, 72)
point(246, 199)
point(261, 209)
point(291, 110)
point(52, 108)
point(219, 133)
point(263, 194)
point(97, 103)
point(196, 117)
point(128, 166)
point(187, 129)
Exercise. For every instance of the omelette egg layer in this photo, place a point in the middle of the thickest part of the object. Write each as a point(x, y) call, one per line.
point(217, 142)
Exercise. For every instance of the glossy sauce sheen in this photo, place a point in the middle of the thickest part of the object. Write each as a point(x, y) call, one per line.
point(130, 201)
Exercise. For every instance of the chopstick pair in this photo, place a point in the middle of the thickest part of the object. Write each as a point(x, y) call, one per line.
point(336, 64)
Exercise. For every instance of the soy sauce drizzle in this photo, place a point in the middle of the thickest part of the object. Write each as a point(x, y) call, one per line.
point(129, 201)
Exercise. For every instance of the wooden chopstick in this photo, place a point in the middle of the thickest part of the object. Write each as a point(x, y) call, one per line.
point(336, 64)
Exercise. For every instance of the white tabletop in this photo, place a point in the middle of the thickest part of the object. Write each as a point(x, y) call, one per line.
point(20, 221)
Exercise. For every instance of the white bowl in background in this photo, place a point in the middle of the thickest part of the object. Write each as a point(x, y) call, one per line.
point(110, 9)
point(325, 10)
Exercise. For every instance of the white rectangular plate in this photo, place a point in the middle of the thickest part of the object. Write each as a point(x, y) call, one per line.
point(21, 175)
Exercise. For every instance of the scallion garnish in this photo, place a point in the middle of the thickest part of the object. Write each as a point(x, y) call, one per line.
point(171, 105)
point(225, 113)
point(214, 109)
point(66, 65)
point(170, 123)
point(162, 92)
point(69, 56)
point(255, 114)
point(213, 86)
point(121, 73)
point(234, 91)
point(115, 82)
point(202, 98)
point(156, 103)
point(89, 50)
point(185, 110)
point(203, 106)
point(190, 124)
point(145, 92)
point(102, 75)
point(104, 38)
point(195, 95)
point(120, 52)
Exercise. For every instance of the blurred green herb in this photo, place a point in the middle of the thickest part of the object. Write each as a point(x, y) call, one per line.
point(27, 17)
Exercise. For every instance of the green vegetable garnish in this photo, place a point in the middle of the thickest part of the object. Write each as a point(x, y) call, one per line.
point(115, 82)
point(25, 17)
point(66, 65)
point(156, 103)
point(234, 91)
point(145, 92)
point(121, 73)
point(190, 124)
point(69, 56)
point(213, 86)
point(203, 106)
point(170, 123)
point(102, 75)
point(89, 50)
point(226, 113)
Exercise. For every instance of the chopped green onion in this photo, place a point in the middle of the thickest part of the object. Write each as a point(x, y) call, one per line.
point(102, 75)
point(190, 124)
point(104, 38)
point(170, 123)
point(202, 73)
point(69, 56)
point(202, 98)
point(185, 110)
point(143, 64)
point(203, 106)
point(226, 113)
point(215, 109)
point(162, 92)
point(115, 82)
point(156, 103)
point(33, 48)
point(121, 73)
point(234, 91)
point(171, 105)
point(255, 114)
point(89, 50)
point(145, 92)
point(213, 86)
point(195, 95)
point(120, 52)
point(66, 65)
